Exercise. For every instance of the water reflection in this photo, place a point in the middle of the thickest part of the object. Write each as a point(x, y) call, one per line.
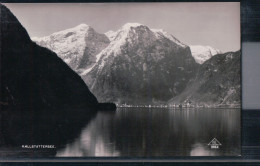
point(41, 127)
point(94, 140)
point(199, 149)
point(147, 132)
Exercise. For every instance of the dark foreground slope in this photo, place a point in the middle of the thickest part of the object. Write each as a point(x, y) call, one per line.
point(217, 83)
point(43, 101)
point(33, 76)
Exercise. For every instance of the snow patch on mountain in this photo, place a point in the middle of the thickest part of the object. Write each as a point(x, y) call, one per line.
point(203, 53)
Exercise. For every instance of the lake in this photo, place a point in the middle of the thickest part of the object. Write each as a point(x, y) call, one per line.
point(154, 132)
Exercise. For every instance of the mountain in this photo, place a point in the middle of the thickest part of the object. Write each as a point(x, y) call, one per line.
point(33, 77)
point(217, 82)
point(77, 46)
point(136, 64)
point(203, 53)
point(140, 65)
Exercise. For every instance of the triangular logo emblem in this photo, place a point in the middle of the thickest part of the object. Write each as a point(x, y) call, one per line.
point(214, 142)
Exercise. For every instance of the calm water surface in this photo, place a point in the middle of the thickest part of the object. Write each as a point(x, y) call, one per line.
point(146, 132)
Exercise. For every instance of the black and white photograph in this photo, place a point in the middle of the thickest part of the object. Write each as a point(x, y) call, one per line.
point(120, 79)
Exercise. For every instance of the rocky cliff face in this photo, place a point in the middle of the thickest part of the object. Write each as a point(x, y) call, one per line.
point(141, 65)
point(34, 77)
point(217, 83)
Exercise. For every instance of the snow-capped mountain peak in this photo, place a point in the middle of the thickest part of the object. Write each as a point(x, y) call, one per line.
point(131, 25)
point(71, 44)
point(83, 25)
point(203, 53)
point(123, 30)
point(126, 34)
point(136, 59)
point(78, 28)
point(134, 34)
point(162, 33)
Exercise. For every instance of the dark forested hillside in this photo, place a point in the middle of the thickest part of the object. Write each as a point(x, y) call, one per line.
point(216, 83)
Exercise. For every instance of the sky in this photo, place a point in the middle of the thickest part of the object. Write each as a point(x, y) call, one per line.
point(216, 24)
